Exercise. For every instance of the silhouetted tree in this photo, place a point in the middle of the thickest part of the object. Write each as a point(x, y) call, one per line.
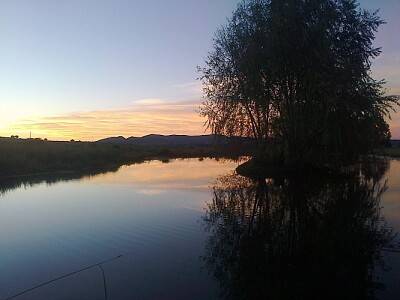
point(298, 72)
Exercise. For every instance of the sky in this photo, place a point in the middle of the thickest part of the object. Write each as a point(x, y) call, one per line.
point(90, 69)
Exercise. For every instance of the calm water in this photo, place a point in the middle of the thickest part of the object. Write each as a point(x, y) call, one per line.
point(192, 229)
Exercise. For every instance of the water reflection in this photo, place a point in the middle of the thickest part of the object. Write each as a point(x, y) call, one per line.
point(297, 238)
point(151, 177)
point(13, 183)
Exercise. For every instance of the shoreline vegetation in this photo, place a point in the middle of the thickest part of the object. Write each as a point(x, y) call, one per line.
point(36, 157)
point(391, 152)
point(21, 158)
point(260, 169)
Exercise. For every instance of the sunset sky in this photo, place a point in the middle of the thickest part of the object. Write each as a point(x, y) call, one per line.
point(89, 69)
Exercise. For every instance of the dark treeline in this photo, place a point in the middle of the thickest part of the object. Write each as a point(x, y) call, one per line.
point(299, 238)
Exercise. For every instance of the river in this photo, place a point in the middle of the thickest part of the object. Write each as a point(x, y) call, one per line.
point(193, 229)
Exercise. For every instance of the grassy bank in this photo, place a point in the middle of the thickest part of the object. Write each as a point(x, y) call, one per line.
point(392, 152)
point(33, 156)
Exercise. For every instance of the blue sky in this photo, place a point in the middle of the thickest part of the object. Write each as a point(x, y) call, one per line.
point(94, 68)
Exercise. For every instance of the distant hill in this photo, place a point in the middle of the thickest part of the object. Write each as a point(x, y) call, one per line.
point(177, 140)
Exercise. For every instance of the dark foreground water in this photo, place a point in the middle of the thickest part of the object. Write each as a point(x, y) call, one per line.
point(192, 229)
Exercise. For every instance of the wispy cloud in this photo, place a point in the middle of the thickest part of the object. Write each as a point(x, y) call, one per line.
point(148, 101)
point(143, 117)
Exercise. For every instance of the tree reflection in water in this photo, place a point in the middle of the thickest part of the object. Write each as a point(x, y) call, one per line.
point(297, 238)
point(13, 183)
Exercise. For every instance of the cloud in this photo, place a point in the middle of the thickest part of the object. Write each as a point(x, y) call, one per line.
point(148, 101)
point(143, 117)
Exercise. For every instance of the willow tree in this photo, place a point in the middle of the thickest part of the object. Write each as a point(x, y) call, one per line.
point(235, 79)
point(298, 72)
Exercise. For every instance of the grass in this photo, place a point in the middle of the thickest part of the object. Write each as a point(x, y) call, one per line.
point(35, 156)
point(392, 152)
point(19, 157)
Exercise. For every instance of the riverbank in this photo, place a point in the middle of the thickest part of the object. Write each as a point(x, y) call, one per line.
point(27, 157)
point(393, 152)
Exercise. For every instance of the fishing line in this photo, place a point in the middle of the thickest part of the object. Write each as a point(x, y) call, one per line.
point(72, 273)
point(104, 282)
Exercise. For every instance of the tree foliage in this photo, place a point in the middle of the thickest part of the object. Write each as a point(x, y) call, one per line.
point(298, 73)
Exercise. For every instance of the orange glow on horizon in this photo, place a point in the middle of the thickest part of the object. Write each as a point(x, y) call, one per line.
point(148, 116)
